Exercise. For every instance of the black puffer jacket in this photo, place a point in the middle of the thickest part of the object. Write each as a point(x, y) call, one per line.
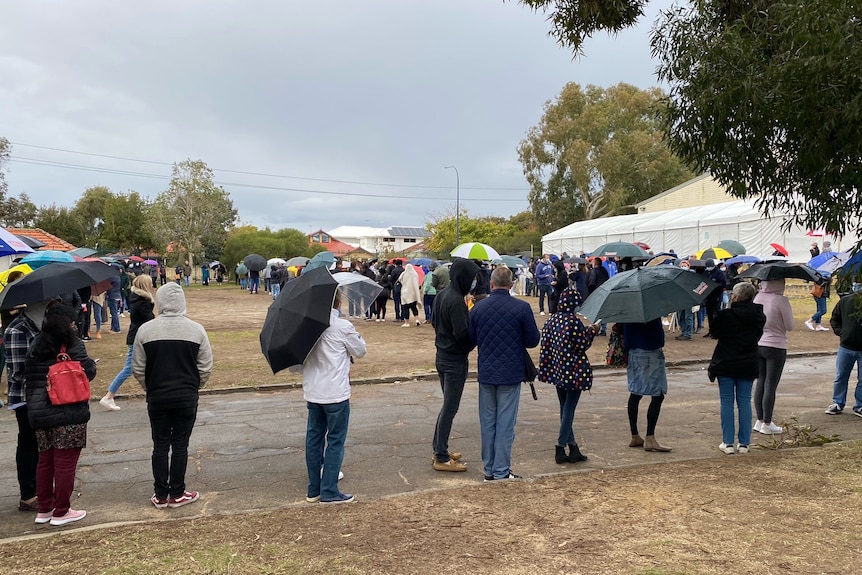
point(140, 312)
point(737, 330)
point(450, 317)
point(42, 414)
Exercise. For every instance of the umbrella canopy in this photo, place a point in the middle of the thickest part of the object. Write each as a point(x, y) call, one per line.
point(150, 262)
point(54, 279)
point(475, 251)
point(297, 261)
point(642, 245)
point(4, 275)
point(320, 260)
point(11, 244)
point(715, 253)
point(733, 246)
point(845, 260)
point(511, 261)
point(821, 259)
point(359, 289)
point(780, 249)
point(572, 260)
point(779, 270)
point(420, 262)
point(241, 269)
point(215, 264)
point(31, 241)
point(743, 259)
point(254, 262)
point(39, 259)
point(297, 319)
point(620, 249)
point(646, 293)
point(275, 262)
point(138, 259)
point(82, 252)
point(663, 259)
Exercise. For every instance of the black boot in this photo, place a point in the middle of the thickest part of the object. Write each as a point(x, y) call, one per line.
point(575, 455)
point(560, 455)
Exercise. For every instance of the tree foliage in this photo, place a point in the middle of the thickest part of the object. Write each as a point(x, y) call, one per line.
point(61, 222)
point(193, 212)
point(17, 212)
point(513, 236)
point(285, 243)
point(5, 152)
point(90, 211)
point(597, 152)
point(767, 96)
point(125, 224)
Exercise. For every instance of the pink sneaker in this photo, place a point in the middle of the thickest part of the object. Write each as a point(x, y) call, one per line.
point(42, 518)
point(70, 516)
point(184, 499)
point(159, 502)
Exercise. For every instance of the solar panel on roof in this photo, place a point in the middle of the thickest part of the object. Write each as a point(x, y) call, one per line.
point(407, 232)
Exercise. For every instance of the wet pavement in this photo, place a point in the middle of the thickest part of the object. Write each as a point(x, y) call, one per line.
point(247, 450)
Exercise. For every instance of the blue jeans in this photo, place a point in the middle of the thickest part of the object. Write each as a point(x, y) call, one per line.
point(568, 402)
point(498, 410)
point(428, 304)
point(685, 318)
point(275, 289)
point(843, 366)
point(243, 282)
point(740, 389)
point(187, 278)
point(253, 285)
point(324, 446)
point(821, 310)
point(396, 299)
point(124, 374)
point(97, 315)
point(453, 375)
point(543, 291)
point(114, 307)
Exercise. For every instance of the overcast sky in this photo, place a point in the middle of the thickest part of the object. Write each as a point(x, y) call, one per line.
point(376, 92)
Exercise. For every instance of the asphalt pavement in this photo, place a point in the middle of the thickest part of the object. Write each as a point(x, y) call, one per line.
point(247, 449)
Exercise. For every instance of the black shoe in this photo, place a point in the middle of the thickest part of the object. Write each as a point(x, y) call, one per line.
point(489, 478)
point(575, 455)
point(683, 337)
point(560, 454)
point(86, 338)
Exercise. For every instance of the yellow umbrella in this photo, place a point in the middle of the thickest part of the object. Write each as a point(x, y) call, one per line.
point(4, 276)
point(715, 253)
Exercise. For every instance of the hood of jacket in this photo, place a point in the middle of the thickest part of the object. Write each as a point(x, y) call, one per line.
point(461, 275)
point(170, 300)
point(570, 301)
point(772, 286)
point(146, 294)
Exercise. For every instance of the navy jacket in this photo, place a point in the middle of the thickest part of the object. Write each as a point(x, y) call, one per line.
point(502, 326)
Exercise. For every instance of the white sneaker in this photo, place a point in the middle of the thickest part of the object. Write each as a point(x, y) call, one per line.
point(743, 449)
point(109, 403)
point(541, 313)
point(340, 477)
point(771, 429)
point(821, 328)
point(727, 449)
point(809, 324)
point(758, 427)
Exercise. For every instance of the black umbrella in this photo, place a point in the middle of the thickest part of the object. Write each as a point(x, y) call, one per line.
point(646, 293)
point(297, 319)
point(254, 262)
point(54, 279)
point(779, 270)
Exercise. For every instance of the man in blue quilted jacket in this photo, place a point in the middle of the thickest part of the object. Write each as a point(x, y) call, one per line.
point(502, 327)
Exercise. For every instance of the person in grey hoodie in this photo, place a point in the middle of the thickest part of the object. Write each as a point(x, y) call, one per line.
point(172, 360)
point(451, 321)
point(771, 351)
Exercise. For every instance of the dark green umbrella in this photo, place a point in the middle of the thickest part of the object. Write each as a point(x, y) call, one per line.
point(320, 260)
point(733, 246)
point(510, 261)
point(779, 270)
point(254, 262)
point(620, 249)
point(54, 279)
point(646, 293)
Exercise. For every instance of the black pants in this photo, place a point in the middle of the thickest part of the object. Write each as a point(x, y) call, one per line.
point(171, 429)
point(453, 375)
point(26, 455)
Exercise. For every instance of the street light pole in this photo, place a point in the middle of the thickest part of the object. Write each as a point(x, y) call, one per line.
point(457, 205)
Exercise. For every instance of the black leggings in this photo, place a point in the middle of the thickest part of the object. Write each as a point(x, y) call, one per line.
point(652, 412)
point(380, 307)
point(406, 308)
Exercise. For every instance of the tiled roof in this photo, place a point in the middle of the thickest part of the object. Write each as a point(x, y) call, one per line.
point(51, 241)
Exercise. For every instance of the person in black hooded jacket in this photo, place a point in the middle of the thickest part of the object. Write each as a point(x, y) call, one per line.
point(61, 430)
point(735, 362)
point(451, 321)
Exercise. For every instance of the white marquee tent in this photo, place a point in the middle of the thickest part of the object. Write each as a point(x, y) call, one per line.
point(688, 230)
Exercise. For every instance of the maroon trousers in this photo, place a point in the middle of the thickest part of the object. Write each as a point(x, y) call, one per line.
point(55, 479)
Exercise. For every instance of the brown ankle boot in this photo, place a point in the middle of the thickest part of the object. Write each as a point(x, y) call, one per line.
point(650, 444)
point(637, 441)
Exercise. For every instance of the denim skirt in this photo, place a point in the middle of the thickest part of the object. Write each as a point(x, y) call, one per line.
point(646, 372)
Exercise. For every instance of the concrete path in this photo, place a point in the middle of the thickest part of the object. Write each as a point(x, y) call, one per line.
point(248, 447)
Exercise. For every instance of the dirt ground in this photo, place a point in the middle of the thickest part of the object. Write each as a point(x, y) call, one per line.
point(233, 319)
point(793, 511)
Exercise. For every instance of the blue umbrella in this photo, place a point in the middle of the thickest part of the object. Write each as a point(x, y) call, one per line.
point(44, 257)
point(420, 262)
point(743, 259)
point(821, 259)
point(320, 260)
point(11, 244)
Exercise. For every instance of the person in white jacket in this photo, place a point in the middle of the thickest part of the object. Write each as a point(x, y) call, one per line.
point(771, 351)
point(411, 294)
point(326, 390)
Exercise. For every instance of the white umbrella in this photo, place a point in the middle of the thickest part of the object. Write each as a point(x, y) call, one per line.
point(359, 289)
point(275, 262)
point(475, 251)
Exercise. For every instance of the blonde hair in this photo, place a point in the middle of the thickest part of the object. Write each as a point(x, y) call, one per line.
point(143, 282)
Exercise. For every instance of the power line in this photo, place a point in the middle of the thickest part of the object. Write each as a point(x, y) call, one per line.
point(80, 167)
point(247, 173)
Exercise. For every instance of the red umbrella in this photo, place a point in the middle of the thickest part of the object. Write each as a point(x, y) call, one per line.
point(136, 258)
point(780, 249)
point(643, 245)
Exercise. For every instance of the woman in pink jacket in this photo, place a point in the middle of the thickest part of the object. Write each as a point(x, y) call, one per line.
point(772, 351)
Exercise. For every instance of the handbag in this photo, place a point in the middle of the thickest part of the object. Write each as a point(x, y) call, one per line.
point(67, 382)
point(817, 290)
point(530, 373)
